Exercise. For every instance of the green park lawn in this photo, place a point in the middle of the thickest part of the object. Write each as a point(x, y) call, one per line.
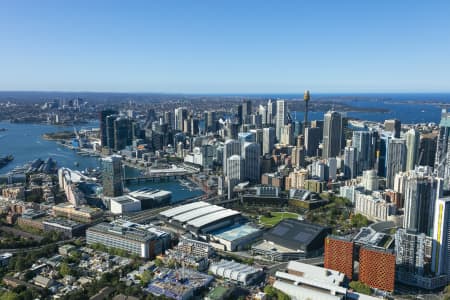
point(276, 217)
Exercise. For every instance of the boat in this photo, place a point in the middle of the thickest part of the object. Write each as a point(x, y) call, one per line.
point(6, 160)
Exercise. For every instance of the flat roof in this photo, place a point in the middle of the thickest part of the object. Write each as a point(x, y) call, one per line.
point(294, 234)
point(235, 232)
point(190, 215)
point(124, 199)
point(317, 273)
point(292, 289)
point(205, 220)
point(183, 208)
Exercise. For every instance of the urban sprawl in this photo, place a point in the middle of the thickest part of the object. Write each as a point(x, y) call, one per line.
point(336, 208)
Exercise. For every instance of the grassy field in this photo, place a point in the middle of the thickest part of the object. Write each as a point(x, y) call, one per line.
point(276, 217)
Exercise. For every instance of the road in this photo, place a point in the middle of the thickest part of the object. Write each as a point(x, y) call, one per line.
point(22, 250)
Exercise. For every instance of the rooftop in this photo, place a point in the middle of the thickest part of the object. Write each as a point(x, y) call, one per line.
point(197, 213)
point(211, 218)
point(295, 231)
point(235, 232)
point(183, 208)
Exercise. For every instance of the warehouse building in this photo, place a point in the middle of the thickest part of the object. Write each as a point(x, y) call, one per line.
point(200, 217)
point(292, 239)
point(225, 229)
point(244, 274)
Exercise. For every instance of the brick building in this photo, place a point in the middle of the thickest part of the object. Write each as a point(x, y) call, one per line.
point(377, 268)
point(338, 255)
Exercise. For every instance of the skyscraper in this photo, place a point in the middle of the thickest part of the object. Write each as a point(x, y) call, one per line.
point(230, 148)
point(312, 140)
point(441, 237)
point(123, 133)
point(442, 161)
point(252, 162)
point(268, 139)
point(211, 121)
point(262, 111)
point(181, 114)
point(287, 135)
point(394, 126)
point(306, 98)
point(427, 149)
point(235, 168)
point(350, 166)
point(281, 117)
point(103, 135)
point(364, 142)
point(421, 191)
point(412, 252)
point(395, 160)
point(112, 176)
point(271, 112)
point(110, 132)
point(246, 110)
point(332, 134)
point(412, 146)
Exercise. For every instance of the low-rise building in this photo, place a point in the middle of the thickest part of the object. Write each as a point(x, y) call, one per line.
point(83, 214)
point(124, 204)
point(244, 274)
point(145, 241)
point(303, 281)
point(67, 228)
point(292, 239)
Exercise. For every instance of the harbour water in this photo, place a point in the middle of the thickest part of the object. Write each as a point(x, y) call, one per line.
point(25, 143)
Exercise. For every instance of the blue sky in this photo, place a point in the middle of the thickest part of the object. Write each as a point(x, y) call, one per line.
point(225, 46)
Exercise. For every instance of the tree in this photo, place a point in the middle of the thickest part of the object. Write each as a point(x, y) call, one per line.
point(360, 287)
point(158, 262)
point(359, 220)
point(65, 270)
point(9, 296)
point(146, 277)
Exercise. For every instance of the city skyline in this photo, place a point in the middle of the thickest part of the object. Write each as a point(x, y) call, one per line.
point(230, 47)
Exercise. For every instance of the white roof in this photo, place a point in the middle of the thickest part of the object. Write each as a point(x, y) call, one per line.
point(190, 215)
point(298, 292)
point(316, 273)
point(222, 214)
point(183, 208)
point(333, 287)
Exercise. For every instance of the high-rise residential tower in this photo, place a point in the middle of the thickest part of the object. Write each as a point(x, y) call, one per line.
point(350, 165)
point(412, 146)
point(395, 160)
point(112, 176)
point(306, 98)
point(281, 117)
point(422, 189)
point(442, 160)
point(332, 134)
point(364, 142)
point(441, 237)
point(268, 139)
